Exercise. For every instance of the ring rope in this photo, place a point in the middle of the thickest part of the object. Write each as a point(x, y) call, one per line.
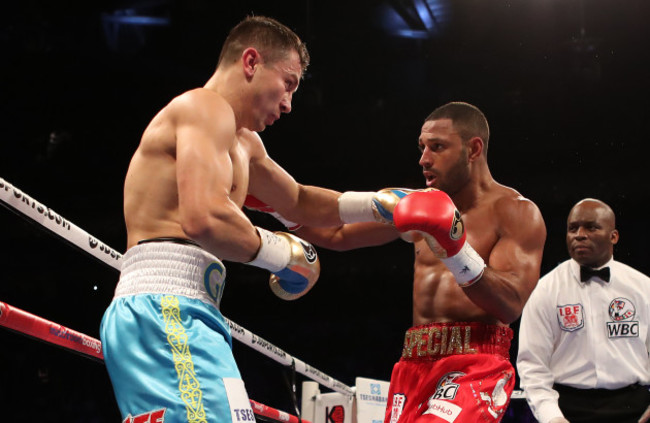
point(53, 333)
point(26, 206)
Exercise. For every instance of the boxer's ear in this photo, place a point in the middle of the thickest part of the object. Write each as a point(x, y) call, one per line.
point(251, 59)
point(475, 148)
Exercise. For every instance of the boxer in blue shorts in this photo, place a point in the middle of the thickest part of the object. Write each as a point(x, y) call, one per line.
point(166, 344)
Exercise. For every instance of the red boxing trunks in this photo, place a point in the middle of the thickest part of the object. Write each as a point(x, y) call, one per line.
point(452, 372)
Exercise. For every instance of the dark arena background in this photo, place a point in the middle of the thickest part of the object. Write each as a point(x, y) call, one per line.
point(563, 83)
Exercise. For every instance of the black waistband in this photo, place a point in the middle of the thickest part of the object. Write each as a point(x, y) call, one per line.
point(175, 240)
point(597, 391)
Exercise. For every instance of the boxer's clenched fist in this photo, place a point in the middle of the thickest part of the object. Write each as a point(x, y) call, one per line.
point(434, 215)
point(292, 261)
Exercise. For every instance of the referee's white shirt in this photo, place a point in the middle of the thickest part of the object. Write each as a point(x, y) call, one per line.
point(587, 335)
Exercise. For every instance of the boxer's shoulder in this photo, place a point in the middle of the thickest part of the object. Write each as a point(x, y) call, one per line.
point(504, 200)
point(513, 211)
point(199, 105)
point(500, 209)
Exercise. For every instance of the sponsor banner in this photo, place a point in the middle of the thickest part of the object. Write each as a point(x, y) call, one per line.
point(333, 408)
point(240, 405)
point(372, 397)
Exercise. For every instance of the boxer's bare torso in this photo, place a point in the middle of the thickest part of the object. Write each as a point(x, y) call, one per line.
point(151, 198)
point(436, 295)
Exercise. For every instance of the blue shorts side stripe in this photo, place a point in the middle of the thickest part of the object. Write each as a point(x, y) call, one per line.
point(188, 384)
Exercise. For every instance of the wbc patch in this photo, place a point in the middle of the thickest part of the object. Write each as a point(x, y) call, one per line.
point(570, 317)
point(622, 312)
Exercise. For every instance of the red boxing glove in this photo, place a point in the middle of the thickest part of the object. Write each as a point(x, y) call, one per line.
point(253, 203)
point(434, 215)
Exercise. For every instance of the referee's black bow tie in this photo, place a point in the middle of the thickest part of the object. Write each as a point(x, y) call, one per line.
point(587, 272)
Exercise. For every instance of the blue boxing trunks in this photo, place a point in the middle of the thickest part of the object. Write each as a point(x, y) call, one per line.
point(167, 347)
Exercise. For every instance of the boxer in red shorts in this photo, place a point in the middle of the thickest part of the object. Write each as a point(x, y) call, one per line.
point(478, 251)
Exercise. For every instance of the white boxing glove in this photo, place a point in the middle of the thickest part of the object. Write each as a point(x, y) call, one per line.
point(292, 261)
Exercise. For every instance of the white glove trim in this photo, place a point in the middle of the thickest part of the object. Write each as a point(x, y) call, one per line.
point(467, 266)
point(356, 207)
point(274, 253)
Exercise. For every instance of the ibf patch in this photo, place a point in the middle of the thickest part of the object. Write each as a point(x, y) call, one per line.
point(622, 312)
point(157, 416)
point(396, 408)
point(570, 317)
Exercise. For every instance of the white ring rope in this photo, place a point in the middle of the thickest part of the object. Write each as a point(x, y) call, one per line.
point(27, 206)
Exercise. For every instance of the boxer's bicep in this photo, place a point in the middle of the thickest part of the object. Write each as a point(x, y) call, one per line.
point(204, 171)
point(203, 164)
point(518, 252)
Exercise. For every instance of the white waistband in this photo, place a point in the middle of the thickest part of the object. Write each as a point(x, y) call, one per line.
point(169, 268)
